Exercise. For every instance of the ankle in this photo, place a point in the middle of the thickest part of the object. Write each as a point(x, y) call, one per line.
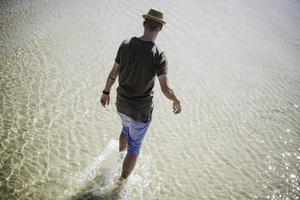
point(124, 175)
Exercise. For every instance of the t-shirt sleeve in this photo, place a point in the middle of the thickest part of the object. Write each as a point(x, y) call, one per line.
point(118, 56)
point(161, 64)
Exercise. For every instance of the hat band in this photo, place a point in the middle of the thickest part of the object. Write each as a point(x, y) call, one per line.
point(154, 18)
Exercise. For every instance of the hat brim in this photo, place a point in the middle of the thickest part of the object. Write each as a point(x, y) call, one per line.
point(154, 18)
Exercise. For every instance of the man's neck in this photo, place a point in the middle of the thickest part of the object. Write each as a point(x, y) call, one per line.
point(149, 36)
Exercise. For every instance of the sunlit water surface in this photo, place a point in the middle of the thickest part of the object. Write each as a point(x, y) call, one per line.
point(234, 65)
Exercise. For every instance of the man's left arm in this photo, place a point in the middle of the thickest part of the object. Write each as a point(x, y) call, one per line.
point(104, 100)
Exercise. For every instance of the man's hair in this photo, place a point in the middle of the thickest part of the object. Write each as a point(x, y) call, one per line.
point(151, 25)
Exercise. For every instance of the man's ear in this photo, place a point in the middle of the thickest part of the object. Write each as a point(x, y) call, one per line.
point(160, 27)
point(144, 24)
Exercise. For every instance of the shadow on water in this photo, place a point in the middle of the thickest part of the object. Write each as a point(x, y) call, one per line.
point(92, 191)
point(91, 196)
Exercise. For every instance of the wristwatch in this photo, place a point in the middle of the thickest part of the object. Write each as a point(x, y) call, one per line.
point(105, 92)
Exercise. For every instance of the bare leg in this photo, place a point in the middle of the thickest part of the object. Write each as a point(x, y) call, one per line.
point(129, 161)
point(128, 165)
point(122, 142)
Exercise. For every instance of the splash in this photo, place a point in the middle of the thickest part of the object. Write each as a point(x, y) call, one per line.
point(80, 180)
point(97, 183)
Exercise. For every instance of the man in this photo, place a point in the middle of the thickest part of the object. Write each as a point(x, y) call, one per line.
point(137, 63)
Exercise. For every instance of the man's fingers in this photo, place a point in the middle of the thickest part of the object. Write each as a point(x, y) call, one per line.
point(175, 105)
point(176, 108)
point(104, 101)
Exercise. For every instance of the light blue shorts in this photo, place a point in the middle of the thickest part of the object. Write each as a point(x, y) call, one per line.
point(135, 132)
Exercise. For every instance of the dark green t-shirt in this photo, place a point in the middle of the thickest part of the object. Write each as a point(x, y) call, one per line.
point(140, 61)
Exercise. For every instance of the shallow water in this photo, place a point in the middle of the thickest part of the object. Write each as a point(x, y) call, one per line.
point(234, 65)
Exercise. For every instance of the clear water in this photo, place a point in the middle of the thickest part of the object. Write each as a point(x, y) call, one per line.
point(234, 64)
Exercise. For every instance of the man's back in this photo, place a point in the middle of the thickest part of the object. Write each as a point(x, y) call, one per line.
point(140, 61)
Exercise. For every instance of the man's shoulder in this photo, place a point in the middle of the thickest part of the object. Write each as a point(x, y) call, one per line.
point(127, 41)
point(157, 51)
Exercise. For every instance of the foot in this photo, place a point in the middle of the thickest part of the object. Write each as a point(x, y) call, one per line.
point(118, 186)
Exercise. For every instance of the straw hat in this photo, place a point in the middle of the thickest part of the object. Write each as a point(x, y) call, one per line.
point(155, 15)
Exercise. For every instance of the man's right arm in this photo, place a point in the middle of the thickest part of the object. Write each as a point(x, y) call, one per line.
point(169, 93)
point(104, 100)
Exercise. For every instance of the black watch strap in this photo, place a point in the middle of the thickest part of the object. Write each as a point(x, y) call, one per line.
point(105, 92)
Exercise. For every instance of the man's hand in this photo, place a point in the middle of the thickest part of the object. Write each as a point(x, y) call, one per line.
point(169, 93)
point(104, 100)
point(176, 107)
